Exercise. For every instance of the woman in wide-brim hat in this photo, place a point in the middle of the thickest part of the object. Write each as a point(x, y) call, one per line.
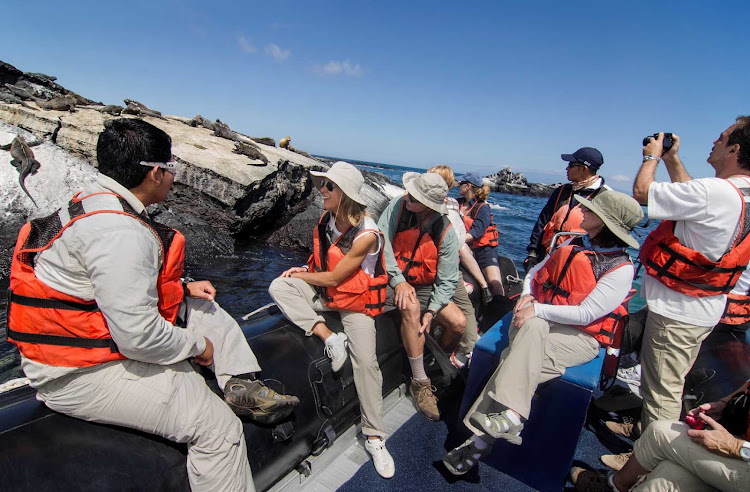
point(345, 273)
point(561, 320)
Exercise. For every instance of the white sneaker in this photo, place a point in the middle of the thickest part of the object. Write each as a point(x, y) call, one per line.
point(336, 350)
point(631, 375)
point(381, 458)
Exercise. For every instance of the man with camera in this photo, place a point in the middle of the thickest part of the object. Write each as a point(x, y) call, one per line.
point(692, 260)
point(562, 212)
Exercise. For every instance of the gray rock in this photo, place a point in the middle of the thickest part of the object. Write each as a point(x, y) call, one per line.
point(506, 181)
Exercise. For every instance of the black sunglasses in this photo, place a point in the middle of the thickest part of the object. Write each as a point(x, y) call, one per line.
point(576, 164)
point(411, 198)
point(328, 184)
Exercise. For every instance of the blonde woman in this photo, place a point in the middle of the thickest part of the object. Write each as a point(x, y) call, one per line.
point(345, 273)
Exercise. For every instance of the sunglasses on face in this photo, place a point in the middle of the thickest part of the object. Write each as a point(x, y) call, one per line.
point(576, 164)
point(170, 167)
point(464, 183)
point(328, 185)
point(411, 198)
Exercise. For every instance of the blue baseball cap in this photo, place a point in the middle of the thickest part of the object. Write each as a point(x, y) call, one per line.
point(586, 155)
point(473, 178)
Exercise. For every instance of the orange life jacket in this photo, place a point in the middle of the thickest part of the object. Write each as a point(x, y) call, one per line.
point(569, 276)
point(565, 218)
point(737, 310)
point(688, 271)
point(416, 249)
point(489, 238)
point(359, 292)
point(58, 329)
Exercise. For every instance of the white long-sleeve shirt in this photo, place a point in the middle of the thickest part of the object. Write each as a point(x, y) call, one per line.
point(611, 289)
point(114, 260)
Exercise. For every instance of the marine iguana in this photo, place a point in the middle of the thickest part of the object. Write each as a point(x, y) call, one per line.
point(64, 103)
point(222, 130)
point(140, 109)
point(24, 162)
point(251, 151)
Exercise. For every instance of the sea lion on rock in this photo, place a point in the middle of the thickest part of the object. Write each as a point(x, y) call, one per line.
point(20, 92)
point(113, 109)
point(199, 121)
point(284, 142)
point(264, 140)
point(251, 151)
point(13, 99)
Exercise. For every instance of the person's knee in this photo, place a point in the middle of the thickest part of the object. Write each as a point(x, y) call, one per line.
point(457, 322)
point(277, 285)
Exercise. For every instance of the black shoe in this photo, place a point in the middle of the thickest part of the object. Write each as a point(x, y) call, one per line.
point(259, 402)
point(460, 460)
point(486, 296)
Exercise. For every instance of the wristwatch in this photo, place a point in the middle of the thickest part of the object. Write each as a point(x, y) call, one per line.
point(745, 452)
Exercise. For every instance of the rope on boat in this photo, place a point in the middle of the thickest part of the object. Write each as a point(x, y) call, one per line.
point(13, 384)
point(262, 308)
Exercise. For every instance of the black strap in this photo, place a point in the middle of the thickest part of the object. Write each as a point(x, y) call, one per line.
point(36, 302)
point(63, 341)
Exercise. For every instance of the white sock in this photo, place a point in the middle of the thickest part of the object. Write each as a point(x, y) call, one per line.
point(417, 368)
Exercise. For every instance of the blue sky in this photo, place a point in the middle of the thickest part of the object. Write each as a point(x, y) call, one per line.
point(476, 85)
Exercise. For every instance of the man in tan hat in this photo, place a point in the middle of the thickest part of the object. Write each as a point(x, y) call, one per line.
point(421, 256)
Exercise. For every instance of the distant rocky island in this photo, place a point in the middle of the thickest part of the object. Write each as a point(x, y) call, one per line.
point(229, 186)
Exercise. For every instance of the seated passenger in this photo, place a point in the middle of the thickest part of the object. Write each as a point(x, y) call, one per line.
point(105, 329)
point(464, 252)
point(421, 257)
point(460, 357)
point(346, 273)
point(481, 232)
point(561, 320)
point(672, 456)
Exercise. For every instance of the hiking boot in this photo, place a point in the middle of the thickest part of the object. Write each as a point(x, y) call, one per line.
point(381, 458)
point(424, 394)
point(589, 480)
point(498, 425)
point(486, 296)
point(336, 350)
point(627, 428)
point(460, 460)
point(616, 461)
point(254, 399)
point(459, 360)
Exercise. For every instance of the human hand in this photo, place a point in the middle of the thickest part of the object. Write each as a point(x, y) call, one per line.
point(655, 146)
point(207, 357)
point(293, 270)
point(716, 438)
point(524, 301)
point(427, 318)
point(714, 409)
point(530, 262)
point(523, 315)
point(201, 289)
point(404, 295)
point(672, 152)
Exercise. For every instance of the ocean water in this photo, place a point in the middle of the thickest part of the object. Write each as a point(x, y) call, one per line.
point(242, 279)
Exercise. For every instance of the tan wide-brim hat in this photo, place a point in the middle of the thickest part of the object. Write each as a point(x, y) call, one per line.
point(429, 189)
point(345, 176)
point(619, 212)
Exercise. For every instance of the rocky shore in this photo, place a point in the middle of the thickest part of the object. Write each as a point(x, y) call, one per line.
point(228, 187)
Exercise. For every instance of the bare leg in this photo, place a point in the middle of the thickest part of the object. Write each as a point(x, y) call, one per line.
point(322, 331)
point(410, 323)
point(495, 279)
point(453, 321)
point(628, 475)
point(471, 265)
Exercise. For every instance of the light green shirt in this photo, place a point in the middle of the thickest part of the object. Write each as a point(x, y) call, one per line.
point(447, 268)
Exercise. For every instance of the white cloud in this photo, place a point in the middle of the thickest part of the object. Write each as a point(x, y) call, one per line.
point(245, 45)
point(336, 68)
point(621, 178)
point(277, 53)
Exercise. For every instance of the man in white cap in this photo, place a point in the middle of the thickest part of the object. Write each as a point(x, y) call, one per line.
point(421, 256)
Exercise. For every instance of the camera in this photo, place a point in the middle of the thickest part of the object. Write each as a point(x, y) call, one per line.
point(666, 144)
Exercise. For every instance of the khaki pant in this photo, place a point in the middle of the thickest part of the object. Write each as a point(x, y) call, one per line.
point(172, 401)
point(677, 463)
point(298, 301)
point(539, 351)
point(470, 335)
point(668, 353)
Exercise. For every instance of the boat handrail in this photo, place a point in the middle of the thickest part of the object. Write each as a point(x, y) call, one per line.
point(262, 308)
point(13, 384)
